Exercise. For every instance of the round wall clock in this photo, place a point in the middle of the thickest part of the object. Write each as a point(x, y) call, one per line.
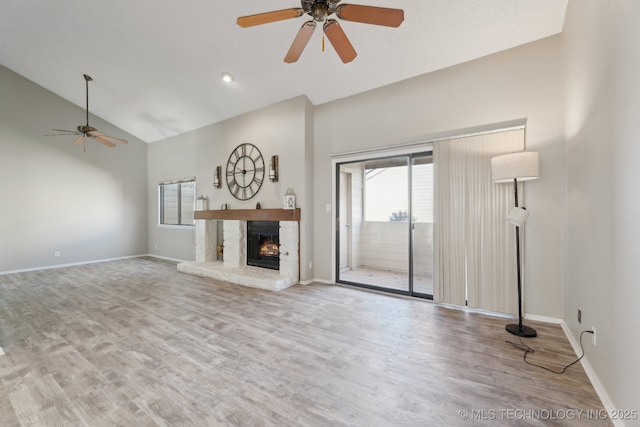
point(245, 171)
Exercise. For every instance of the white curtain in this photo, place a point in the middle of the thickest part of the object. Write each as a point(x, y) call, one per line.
point(475, 260)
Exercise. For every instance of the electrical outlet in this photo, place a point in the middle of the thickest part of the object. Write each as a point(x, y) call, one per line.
point(594, 335)
point(310, 265)
point(579, 316)
point(56, 254)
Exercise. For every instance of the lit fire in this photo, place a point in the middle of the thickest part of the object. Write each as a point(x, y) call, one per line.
point(269, 248)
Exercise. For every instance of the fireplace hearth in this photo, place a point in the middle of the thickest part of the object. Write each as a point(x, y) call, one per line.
point(263, 244)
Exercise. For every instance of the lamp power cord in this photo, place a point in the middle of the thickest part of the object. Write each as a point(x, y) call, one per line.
point(524, 347)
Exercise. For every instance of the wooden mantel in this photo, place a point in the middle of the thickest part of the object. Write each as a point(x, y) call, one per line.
point(250, 214)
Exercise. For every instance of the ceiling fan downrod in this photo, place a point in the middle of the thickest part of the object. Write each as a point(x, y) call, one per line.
point(86, 128)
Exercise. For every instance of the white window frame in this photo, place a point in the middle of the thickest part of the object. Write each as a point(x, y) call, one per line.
point(190, 180)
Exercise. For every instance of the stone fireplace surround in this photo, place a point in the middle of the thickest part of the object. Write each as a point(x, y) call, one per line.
point(233, 267)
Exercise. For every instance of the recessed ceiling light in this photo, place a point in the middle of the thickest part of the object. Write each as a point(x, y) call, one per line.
point(227, 77)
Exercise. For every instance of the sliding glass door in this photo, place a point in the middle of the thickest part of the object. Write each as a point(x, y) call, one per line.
point(384, 224)
point(422, 225)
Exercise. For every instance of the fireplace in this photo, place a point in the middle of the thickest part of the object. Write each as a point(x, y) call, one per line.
point(233, 267)
point(263, 244)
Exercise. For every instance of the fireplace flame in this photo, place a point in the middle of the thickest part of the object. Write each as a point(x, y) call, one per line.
point(269, 248)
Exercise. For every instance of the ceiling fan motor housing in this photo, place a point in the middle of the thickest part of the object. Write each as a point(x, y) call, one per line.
point(319, 9)
point(86, 129)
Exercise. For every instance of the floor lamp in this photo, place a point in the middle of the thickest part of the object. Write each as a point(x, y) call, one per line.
point(514, 167)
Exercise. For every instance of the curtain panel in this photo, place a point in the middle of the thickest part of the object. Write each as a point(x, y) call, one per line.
point(475, 260)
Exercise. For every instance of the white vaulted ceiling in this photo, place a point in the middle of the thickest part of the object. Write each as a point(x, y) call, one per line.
point(157, 64)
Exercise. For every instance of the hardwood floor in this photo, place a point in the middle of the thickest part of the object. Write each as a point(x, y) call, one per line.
point(133, 342)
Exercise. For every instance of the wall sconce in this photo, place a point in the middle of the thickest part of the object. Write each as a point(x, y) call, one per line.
point(273, 169)
point(217, 182)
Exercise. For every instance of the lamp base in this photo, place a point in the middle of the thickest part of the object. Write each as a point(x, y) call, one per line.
point(524, 331)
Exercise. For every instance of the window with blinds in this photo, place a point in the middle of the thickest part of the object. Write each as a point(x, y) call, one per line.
point(177, 202)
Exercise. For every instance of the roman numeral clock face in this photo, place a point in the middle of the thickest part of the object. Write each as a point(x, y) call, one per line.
point(245, 171)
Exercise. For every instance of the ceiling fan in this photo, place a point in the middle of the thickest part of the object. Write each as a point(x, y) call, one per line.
point(86, 131)
point(320, 10)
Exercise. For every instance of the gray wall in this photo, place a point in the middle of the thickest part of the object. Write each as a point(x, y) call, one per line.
point(282, 129)
point(87, 205)
point(602, 204)
point(521, 83)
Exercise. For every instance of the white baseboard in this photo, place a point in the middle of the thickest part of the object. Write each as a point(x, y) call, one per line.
point(165, 258)
point(545, 319)
point(593, 377)
point(310, 281)
point(72, 264)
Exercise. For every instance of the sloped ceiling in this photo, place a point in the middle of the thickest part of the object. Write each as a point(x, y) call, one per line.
point(157, 64)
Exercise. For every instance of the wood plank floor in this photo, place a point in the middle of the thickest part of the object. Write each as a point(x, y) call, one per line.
point(133, 342)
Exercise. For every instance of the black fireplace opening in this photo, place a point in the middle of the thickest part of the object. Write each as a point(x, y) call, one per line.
point(263, 244)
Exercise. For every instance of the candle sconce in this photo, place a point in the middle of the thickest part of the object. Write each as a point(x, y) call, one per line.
point(217, 177)
point(273, 169)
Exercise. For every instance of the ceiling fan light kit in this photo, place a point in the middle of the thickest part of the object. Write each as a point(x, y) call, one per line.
point(320, 11)
point(86, 131)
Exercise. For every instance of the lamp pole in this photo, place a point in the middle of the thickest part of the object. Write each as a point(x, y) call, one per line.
point(519, 329)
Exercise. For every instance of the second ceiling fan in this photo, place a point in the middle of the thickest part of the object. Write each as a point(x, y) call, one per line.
point(85, 131)
point(320, 10)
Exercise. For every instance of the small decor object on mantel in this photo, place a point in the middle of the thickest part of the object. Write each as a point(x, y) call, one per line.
point(289, 199)
point(258, 206)
point(202, 204)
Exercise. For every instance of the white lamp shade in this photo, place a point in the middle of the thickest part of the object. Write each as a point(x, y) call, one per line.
point(518, 216)
point(522, 166)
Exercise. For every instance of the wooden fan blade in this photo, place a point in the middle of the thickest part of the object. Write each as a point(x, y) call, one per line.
point(371, 15)
point(265, 18)
point(71, 132)
point(300, 42)
point(79, 140)
point(114, 139)
point(101, 140)
point(95, 133)
point(339, 41)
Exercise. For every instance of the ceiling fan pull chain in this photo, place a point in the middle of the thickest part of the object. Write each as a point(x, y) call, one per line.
point(323, 42)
